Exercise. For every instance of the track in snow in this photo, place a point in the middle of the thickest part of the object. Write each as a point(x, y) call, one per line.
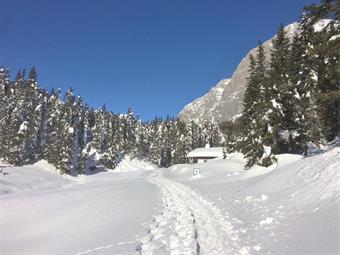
point(189, 224)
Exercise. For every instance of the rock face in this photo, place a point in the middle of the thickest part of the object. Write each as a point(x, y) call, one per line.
point(207, 106)
point(224, 101)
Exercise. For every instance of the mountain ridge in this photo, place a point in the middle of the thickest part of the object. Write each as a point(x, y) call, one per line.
point(229, 105)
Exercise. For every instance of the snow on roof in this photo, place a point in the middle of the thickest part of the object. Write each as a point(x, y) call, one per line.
point(216, 152)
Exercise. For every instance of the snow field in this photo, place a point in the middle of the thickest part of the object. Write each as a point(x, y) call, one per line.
point(45, 213)
point(288, 208)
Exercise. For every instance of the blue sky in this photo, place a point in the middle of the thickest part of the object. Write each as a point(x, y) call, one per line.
point(153, 55)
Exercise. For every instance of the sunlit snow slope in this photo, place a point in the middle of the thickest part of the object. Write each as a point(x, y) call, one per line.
point(293, 208)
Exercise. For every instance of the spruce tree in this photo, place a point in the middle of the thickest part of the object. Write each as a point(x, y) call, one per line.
point(53, 128)
point(35, 102)
point(216, 136)
point(325, 52)
point(308, 123)
point(130, 130)
point(249, 113)
point(20, 109)
point(328, 85)
point(256, 110)
point(280, 105)
point(6, 105)
point(68, 130)
point(156, 142)
point(182, 143)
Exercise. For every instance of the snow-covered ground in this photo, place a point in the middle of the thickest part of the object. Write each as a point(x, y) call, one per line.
point(290, 208)
point(44, 213)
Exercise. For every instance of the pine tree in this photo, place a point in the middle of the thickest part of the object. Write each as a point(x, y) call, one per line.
point(19, 76)
point(68, 136)
point(156, 142)
point(141, 140)
point(168, 138)
point(17, 125)
point(325, 52)
point(328, 85)
point(6, 105)
point(87, 161)
point(280, 105)
point(100, 139)
point(308, 124)
point(35, 101)
point(130, 129)
point(256, 110)
point(247, 145)
point(295, 64)
point(182, 143)
point(32, 75)
point(216, 136)
point(53, 128)
point(80, 133)
point(109, 155)
point(195, 135)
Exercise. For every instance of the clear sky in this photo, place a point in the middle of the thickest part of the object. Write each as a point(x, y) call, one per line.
point(153, 55)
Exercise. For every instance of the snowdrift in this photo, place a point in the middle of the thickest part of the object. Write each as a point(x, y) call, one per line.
point(132, 164)
point(30, 177)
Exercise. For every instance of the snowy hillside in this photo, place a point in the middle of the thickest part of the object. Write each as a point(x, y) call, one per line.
point(289, 208)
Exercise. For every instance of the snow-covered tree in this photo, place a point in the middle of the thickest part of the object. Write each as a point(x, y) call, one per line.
point(280, 101)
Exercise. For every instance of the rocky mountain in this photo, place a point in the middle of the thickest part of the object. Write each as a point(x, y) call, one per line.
point(224, 101)
point(207, 106)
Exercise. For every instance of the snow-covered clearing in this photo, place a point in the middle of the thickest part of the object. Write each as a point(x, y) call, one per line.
point(292, 208)
point(44, 213)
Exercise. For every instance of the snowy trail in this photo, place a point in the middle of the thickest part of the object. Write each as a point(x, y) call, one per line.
point(189, 224)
